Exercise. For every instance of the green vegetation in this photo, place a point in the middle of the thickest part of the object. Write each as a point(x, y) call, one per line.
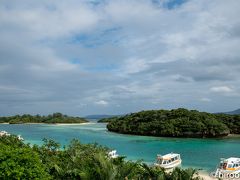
point(176, 123)
point(107, 120)
point(232, 122)
point(75, 161)
point(54, 118)
point(19, 161)
point(99, 116)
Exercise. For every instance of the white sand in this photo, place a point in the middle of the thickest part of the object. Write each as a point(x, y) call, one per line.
point(32, 123)
point(69, 124)
point(205, 175)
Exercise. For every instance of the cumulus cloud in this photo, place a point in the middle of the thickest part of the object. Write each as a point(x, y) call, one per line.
point(78, 56)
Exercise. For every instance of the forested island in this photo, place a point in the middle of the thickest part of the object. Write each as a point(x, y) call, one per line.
point(175, 123)
point(50, 119)
point(75, 161)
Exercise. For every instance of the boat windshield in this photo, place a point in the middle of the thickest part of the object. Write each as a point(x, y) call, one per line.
point(221, 165)
point(159, 160)
point(235, 165)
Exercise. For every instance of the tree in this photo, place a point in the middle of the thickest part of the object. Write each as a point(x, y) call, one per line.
point(21, 163)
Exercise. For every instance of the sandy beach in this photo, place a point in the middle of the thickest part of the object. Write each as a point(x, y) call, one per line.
point(70, 124)
point(205, 175)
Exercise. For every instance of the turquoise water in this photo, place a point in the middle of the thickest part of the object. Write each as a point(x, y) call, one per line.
point(198, 153)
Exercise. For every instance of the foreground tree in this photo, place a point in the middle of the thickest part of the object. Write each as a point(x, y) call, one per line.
point(75, 161)
point(21, 163)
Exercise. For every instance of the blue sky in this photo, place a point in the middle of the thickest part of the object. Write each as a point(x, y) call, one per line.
point(84, 57)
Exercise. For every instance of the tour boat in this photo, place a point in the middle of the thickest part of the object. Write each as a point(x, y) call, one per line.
point(20, 137)
point(168, 161)
point(113, 154)
point(4, 133)
point(227, 167)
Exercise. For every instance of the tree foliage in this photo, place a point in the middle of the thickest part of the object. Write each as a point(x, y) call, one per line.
point(19, 161)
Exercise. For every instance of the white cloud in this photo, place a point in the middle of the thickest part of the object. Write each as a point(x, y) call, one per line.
point(133, 65)
point(205, 100)
point(221, 89)
point(102, 103)
point(49, 19)
point(70, 52)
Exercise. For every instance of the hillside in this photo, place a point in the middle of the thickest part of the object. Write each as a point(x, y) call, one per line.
point(107, 120)
point(235, 112)
point(99, 116)
point(176, 123)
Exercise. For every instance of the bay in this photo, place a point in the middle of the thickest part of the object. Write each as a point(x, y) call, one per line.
point(197, 153)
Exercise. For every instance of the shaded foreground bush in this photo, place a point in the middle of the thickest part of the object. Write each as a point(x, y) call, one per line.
point(75, 161)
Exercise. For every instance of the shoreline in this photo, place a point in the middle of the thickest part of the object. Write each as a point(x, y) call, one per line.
point(69, 124)
point(177, 137)
point(88, 123)
point(233, 136)
point(65, 124)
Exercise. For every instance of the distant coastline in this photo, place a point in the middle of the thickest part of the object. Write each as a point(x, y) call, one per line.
point(63, 124)
point(54, 118)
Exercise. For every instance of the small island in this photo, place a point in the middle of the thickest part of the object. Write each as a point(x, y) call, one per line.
point(50, 119)
point(175, 123)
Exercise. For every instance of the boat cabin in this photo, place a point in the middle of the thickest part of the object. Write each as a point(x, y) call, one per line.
point(227, 167)
point(170, 160)
point(230, 164)
point(113, 154)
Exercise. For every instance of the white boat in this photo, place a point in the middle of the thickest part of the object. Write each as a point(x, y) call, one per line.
point(113, 154)
point(4, 133)
point(227, 168)
point(168, 161)
point(20, 137)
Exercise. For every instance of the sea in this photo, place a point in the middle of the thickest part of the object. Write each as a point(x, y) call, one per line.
point(202, 154)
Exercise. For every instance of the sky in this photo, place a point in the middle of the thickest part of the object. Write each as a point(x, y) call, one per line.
point(83, 57)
